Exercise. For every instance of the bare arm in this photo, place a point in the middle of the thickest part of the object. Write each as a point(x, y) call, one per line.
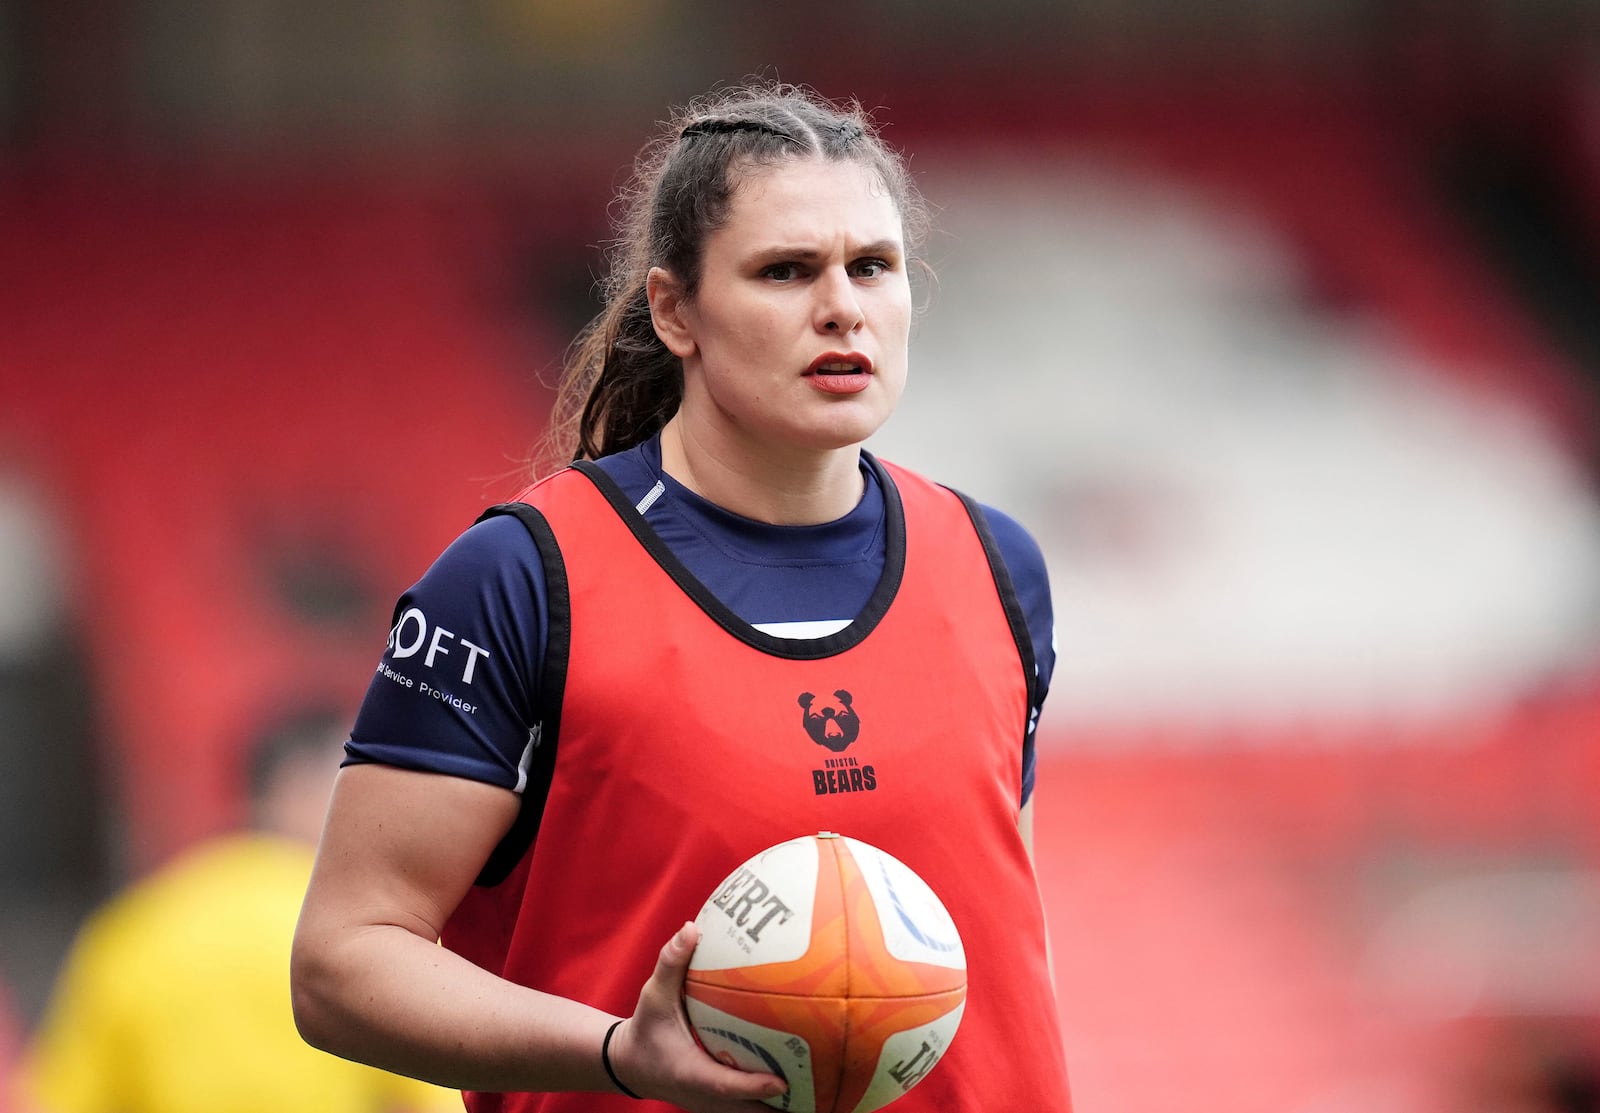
point(371, 983)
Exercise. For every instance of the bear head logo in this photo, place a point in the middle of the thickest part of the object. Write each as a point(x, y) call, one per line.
point(831, 723)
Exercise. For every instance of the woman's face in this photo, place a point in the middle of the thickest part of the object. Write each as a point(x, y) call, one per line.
point(797, 339)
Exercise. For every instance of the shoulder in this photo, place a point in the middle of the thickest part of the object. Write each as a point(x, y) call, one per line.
point(1017, 548)
point(493, 563)
point(1024, 563)
point(1016, 544)
point(487, 590)
point(494, 544)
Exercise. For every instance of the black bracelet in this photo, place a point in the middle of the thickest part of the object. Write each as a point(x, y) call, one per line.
point(605, 1061)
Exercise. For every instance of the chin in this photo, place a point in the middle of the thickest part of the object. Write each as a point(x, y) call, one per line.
point(844, 426)
point(836, 435)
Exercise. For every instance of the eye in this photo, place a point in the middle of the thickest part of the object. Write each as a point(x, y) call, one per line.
point(871, 268)
point(781, 272)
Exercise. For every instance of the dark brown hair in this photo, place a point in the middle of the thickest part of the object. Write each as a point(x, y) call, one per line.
point(620, 384)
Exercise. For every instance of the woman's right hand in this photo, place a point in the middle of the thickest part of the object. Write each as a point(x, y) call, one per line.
point(656, 1055)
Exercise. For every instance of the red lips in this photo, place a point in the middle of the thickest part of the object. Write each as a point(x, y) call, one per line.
point(840, 363)
point(840, 372)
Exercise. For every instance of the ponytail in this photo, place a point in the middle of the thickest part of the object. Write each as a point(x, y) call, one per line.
point(637, 384)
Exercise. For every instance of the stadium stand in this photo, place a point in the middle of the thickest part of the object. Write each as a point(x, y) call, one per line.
point(188, 372)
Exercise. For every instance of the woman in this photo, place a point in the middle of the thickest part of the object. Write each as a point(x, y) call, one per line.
point(587, 713)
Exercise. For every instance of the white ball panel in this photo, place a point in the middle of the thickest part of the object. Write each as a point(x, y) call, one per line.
point(762, 911)
point(907, 1058)
point(916, 925)
point(753, 1047)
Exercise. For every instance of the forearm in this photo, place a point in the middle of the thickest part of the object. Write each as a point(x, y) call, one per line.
point(370, 983)
point(385, 996)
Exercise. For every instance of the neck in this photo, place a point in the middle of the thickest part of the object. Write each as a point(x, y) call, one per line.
point(803, 489)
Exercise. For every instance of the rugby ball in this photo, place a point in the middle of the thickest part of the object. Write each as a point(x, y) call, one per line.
point(830, 963)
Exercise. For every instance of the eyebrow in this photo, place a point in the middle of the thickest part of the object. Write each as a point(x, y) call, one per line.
point(806, 254)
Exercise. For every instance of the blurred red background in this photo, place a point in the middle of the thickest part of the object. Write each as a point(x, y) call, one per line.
point(281, 296)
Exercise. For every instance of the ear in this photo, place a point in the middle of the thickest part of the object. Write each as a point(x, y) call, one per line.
point(805, 700)
point(667, 312)
point(843, 696)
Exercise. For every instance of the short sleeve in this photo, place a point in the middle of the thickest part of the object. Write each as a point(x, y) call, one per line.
point(457, 688)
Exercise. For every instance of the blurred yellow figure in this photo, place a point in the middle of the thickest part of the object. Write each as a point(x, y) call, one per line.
point(175, 995)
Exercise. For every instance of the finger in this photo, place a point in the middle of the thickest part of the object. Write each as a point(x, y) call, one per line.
point(705, 1074)
point(664, 990)
point(684, 1072)
point(730, 1082)
point(740, 1088)
point(677, 952)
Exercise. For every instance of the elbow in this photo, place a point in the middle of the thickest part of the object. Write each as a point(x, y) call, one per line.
point(311, 981)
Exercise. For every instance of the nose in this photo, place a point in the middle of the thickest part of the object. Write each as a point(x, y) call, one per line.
point(838, 308)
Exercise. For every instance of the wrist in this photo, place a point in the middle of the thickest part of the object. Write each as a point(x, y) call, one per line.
point(605, 1061)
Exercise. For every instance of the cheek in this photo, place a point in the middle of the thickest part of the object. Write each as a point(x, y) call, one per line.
point(743, 331)
point(894, 318)
point(894, 388)
point(896, 352)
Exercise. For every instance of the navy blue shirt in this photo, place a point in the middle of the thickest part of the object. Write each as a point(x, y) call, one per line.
point(458, 688)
